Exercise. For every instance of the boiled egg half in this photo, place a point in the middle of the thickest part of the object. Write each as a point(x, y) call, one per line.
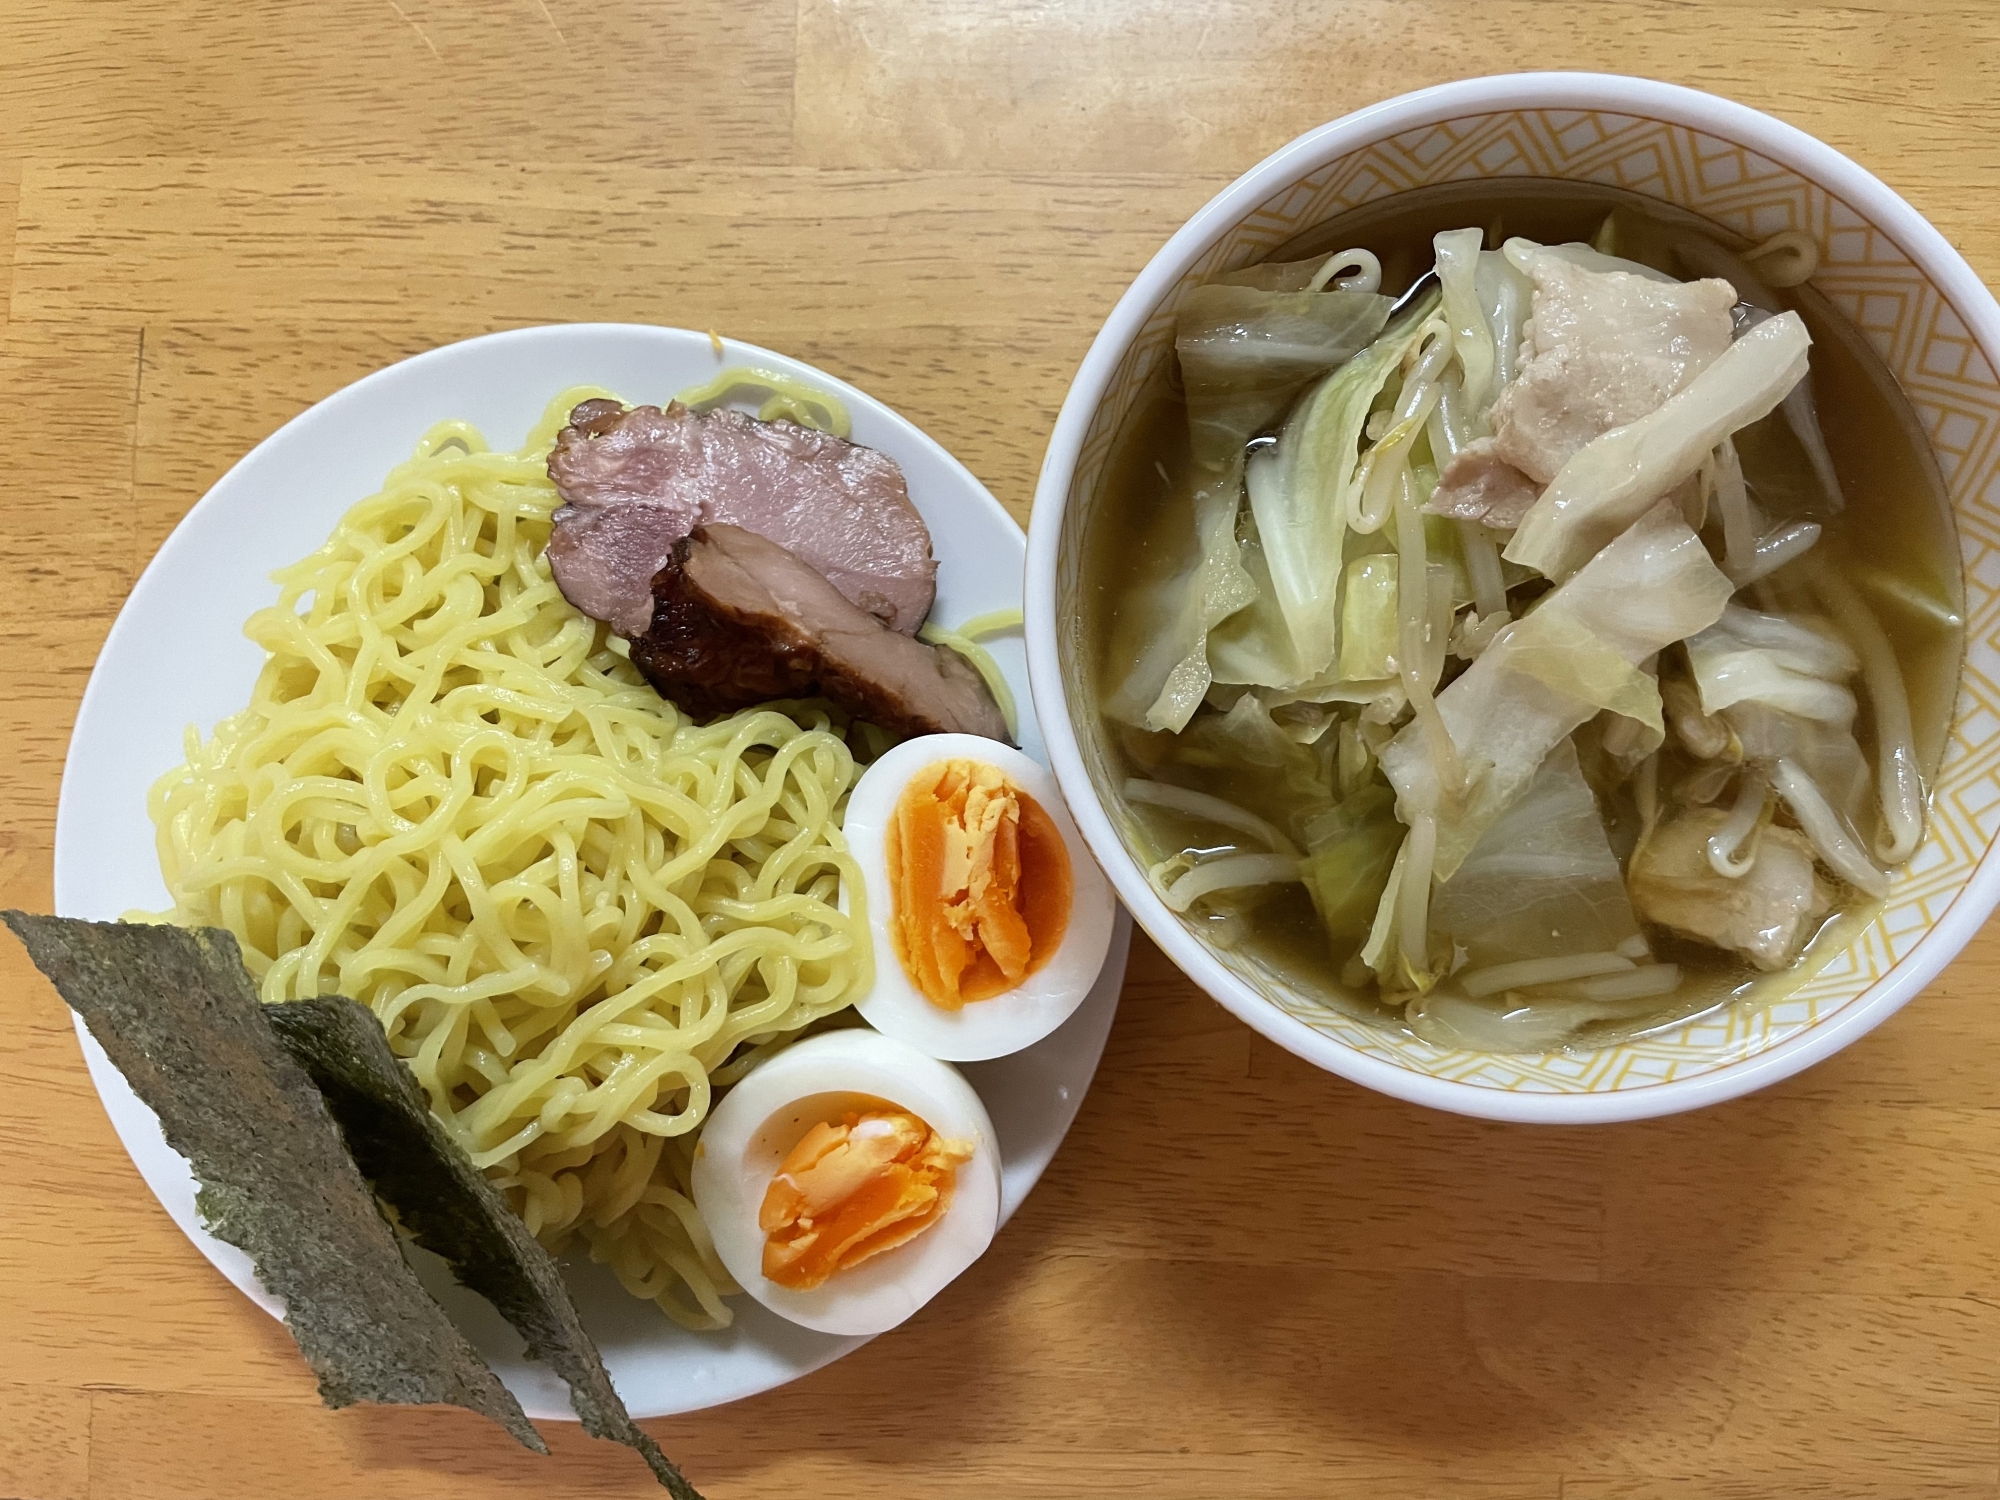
point(848, 1180)
point(990, 919)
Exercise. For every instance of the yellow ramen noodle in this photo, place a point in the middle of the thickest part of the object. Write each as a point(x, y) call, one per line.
point(453, 798)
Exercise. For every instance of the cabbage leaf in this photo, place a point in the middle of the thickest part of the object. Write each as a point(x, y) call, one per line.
point(1567, 655)
point(1299, 774)
point(1521, 255)
point(1542, 882)
point(1799, 666)
point(1369, 620)
point(1166, 684)
point(1352, 847)
point(1651, 586)
point(1253, 647)
point(1244, 354)
point(1299, 497)
point(1384, 943)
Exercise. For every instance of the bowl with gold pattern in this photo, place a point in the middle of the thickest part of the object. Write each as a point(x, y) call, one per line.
point(1751, 182)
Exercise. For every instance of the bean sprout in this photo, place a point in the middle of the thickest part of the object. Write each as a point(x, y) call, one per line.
point(1829, 834)
point(1788, 258)
point(1482, 568)
point(1706, 735)
point(1208, 809)
point(1447, 427)
point(1413, 588)
point(1529, 972)
point(1181, 881)
point(1646, 792)
point(1773, 550)
point(1378, 480)
point(1726, 853)
point(1639, 984)
point(1801, 412)
point(1413, 901)
point(1365, 268)
point(1433, 352)
point(1899, 787)
point(1384, 465)
point(1732, 499)
point(1704, 784)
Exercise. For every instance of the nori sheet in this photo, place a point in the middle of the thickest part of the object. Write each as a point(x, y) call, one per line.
point(449, 1206)
point(175, 1010)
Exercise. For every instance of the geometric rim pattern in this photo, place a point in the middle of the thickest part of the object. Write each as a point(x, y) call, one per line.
point(1917, 334)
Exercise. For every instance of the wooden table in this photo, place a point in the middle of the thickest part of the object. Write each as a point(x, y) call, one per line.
point(1241, 1276)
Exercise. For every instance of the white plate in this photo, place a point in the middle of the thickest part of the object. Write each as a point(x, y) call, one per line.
point(177, 655)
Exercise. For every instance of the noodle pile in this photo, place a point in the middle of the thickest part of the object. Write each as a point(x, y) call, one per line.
point(454, 799)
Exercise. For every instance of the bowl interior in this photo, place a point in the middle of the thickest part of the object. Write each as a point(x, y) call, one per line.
point(1926, 345)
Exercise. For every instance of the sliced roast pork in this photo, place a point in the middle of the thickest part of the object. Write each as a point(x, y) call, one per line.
point(739, 620)
point(635, 481)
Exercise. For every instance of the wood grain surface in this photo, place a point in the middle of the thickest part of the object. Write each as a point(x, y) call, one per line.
point(1241, 1276)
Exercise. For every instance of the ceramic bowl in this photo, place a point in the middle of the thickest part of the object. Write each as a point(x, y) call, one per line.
point(1893, 276)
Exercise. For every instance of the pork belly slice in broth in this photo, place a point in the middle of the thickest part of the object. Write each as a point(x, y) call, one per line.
point(1602, 348)
point(634, 481)
point(1479, 485)
point(739, 620)
point(1766, 914)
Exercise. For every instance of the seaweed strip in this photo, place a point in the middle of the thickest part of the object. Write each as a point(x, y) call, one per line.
point(175, 1011)
point(451, 1208)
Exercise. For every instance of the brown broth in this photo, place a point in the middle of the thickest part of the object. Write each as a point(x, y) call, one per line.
point(1895, 541)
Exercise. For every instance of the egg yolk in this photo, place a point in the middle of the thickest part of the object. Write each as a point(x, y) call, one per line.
point(851, 1191)
point(979, 883)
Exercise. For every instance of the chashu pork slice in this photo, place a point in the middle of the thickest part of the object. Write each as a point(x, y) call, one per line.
point(634, 481)
point(739, 620)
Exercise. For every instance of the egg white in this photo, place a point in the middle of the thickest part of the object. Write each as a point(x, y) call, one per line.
point(764, 1115)
point(1015, 1018)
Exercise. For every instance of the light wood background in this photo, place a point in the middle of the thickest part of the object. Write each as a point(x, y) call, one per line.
point(1241, 1276)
